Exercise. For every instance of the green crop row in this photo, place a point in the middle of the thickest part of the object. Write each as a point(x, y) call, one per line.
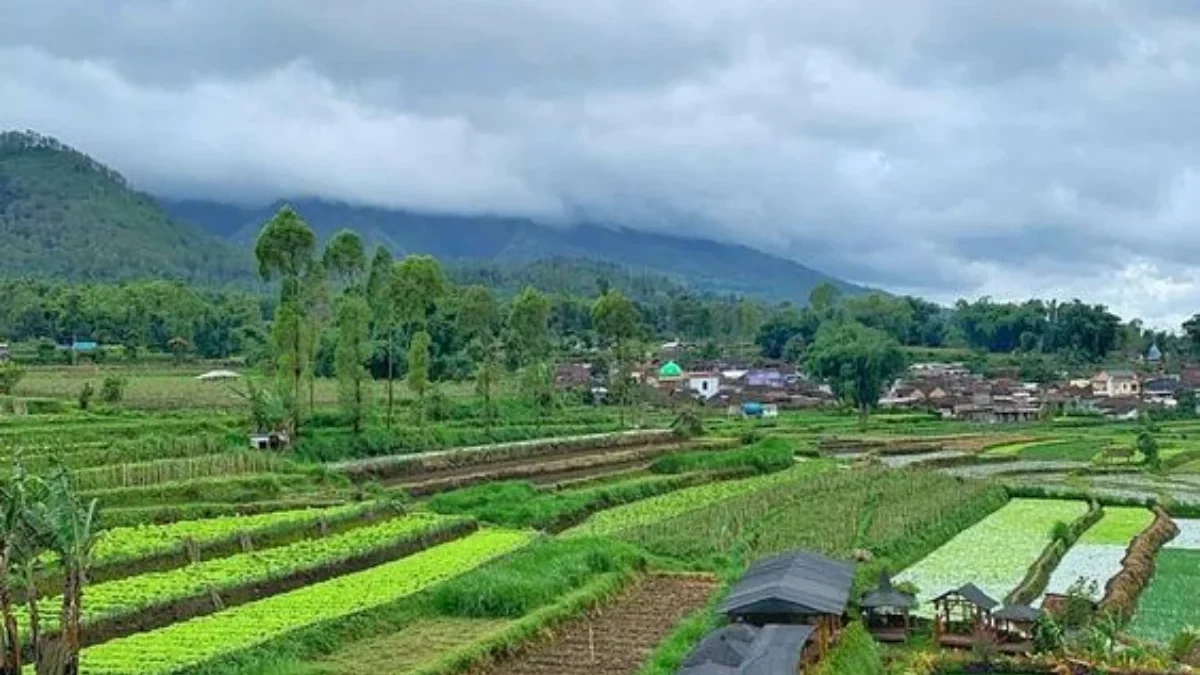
point(673, 504)
point(522, 504)
point(128, 596)
point(124, 544)
point(229, 633)
point(765, 456)
point(126, 475)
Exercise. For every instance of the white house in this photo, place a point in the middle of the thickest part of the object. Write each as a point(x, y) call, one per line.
point(1116, 383)
point(705, 385)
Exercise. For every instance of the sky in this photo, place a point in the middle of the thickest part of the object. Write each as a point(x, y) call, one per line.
point(947, 149)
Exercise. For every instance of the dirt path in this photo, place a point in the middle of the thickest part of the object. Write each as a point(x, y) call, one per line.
point(617, 638)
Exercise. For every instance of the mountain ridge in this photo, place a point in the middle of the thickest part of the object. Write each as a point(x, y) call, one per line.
point(702, 264)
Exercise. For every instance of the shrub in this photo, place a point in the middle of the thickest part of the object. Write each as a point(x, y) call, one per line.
point(855, 654)
point(10, 375)
point(113, 389)
point(772, 454)
point(85, 395)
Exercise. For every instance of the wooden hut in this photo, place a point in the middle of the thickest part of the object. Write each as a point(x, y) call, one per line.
point(887, 611)
point(1014, 628)
point(798, 588)
point(962, 617)
point(744, 649)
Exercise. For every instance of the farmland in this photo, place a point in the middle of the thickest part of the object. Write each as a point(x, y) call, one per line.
point(1097, 556)
point(995, 553)
point(432, 547)
point(1168, 605)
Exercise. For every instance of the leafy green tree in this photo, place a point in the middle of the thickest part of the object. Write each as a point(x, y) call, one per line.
point(537, 385)
point(528, 319)
point(1185, 400)
point(284, 249)
point(824, 298)
point(614, 318)
point(1191, 328)
point(478, 314)
point(488, 372)
point(179, 347)
point(418, 371)
point(1148, 446)
point(857, 361)
point(353, 350)
point(73, 529)
point(345, 257)
point(317, 311)
point(793, 349)
point(414, 286)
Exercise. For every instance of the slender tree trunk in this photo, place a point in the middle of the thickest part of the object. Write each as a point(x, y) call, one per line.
point(12, 636)
point(35, 618)
point(391, 373)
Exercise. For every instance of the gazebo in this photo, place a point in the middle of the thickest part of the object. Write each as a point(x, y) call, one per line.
point(1014, 628)
point(887, 611)
point(962, 616)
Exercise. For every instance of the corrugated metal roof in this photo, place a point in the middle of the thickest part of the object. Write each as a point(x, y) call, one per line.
point(794, 583)
point(742, 649)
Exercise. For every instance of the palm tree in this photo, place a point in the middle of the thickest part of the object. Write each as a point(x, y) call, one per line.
point(71, 531)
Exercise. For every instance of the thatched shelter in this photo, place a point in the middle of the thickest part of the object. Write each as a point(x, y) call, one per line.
point(887, 611)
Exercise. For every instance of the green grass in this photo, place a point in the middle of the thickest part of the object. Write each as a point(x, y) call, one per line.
point(412, 647)
point(534, 577)
point(1119, 525)
point(1076, 450)
point(765, 456)
point(522, 504)
point(1170, 604)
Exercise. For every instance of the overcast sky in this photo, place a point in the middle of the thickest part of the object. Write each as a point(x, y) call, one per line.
point(945, 148)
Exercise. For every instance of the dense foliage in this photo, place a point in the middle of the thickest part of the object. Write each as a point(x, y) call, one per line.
point(65, 216)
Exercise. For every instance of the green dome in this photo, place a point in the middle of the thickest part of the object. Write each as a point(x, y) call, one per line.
point(670, 369)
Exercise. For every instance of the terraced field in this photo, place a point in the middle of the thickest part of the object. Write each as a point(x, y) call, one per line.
point(1169, 604)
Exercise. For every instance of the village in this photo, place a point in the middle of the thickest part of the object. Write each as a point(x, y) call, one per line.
point(948, 389)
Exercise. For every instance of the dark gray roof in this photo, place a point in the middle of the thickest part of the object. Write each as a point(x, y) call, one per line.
point(792, 583)
point(1017, 613)
point(887, 596)
point(1162, 385)
point(974, 595)
point(742, 649)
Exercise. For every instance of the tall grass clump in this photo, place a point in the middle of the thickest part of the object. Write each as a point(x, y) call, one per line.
point(764, 456)
point(534, 577)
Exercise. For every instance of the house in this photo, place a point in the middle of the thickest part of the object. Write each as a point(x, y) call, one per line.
point(1118, 408)
point(799, 588)
point(768, 379)
point(745, 649)
point(1154, 354)
point(962, 615)
point(1116, 383)
point(572, 375)
point(704, 385)
point(887, 611)
point(998, 413)
point(1160, 389)
point(5, 355)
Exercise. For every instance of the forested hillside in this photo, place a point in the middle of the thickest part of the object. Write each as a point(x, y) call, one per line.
point(699, 264)
point(65, 216)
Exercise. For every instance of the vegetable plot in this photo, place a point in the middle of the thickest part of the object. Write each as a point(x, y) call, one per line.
point(126, 596)
point(674, 503)
point(1169, 604)
point(1097, 556)
point(199, 641)
point(995, 553)
point(131, 543)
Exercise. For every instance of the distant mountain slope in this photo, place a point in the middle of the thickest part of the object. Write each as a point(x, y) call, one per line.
point(699, 264)
point(64, 215)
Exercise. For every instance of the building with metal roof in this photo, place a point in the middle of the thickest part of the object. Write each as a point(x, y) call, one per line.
point(744, 649)
point(887, 611)
point(796, 584)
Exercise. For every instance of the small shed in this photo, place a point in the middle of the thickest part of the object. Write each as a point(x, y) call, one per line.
point(1014, 628)
point(274, 440)
point(962, 616)
point(4, 353)
point(800, 588)
point(744, 649)
point(888, 611)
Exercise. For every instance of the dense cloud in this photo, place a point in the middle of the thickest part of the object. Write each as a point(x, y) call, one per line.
point(946, 148)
